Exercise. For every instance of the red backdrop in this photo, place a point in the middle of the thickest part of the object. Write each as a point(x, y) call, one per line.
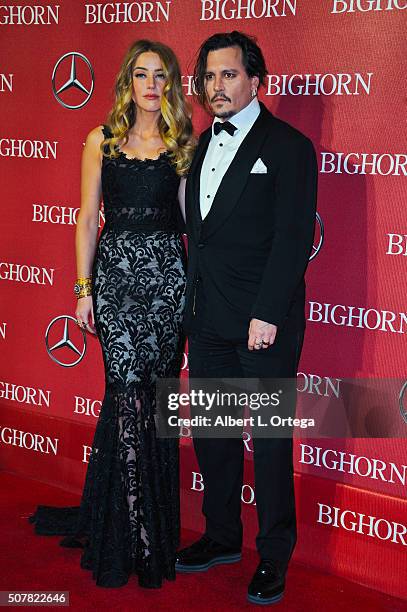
point(335, 72)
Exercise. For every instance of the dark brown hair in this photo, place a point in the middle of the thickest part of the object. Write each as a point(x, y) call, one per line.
point(252, 58)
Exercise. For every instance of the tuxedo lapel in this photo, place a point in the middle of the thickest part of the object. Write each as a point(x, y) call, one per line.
point(192, 204)
point(236, 176)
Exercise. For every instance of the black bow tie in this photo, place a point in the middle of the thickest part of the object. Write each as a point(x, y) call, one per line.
point(225, 125)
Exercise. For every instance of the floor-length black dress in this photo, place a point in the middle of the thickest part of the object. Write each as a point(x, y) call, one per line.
point(128, 519)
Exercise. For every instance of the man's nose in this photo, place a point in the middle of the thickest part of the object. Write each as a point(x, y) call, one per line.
point(218, 84)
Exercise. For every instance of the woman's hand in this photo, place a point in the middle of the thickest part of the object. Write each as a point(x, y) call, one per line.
point(84, 314)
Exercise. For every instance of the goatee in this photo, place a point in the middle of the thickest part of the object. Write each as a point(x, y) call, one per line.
point(225, 115)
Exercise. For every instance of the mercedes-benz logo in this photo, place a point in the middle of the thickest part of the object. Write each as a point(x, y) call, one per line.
point(68, 66)
point(62, 329)
point(403, 410)
point(319, 230)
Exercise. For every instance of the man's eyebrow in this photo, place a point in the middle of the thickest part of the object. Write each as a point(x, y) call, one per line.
point(224, 70)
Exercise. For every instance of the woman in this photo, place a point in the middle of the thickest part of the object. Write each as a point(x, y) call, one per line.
point(130, 291)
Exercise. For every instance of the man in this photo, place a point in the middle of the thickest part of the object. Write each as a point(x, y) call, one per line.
point(250, 207)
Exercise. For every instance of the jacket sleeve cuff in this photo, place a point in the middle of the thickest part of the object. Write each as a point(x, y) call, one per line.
point(266, 314)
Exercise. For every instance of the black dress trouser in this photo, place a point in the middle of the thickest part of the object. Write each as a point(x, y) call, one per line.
point(221, 460)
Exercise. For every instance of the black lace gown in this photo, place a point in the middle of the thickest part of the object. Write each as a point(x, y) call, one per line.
point(128, 519)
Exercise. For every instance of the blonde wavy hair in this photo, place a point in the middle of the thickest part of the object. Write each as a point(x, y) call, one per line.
point(174, 124)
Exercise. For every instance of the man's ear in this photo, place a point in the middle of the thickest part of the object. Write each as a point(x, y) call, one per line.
point(255, 81)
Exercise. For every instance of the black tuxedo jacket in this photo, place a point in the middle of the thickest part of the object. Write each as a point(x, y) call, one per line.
point(251, 251)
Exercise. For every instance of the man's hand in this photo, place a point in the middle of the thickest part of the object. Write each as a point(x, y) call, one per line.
point(261, 334)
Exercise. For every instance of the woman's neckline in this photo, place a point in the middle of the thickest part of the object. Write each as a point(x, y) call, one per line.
point(146, 159)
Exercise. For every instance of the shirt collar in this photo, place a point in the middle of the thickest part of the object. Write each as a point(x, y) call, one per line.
point(245, 118)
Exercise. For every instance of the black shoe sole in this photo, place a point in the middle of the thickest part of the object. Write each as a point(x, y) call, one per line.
point(187, 569)
point(262, 601)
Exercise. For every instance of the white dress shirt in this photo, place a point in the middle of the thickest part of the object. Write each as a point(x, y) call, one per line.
point(221, 151)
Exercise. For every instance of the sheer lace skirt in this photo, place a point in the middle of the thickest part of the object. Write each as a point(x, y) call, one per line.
point(128, 519)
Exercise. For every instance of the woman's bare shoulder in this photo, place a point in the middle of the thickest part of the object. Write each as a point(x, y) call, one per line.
point(95, 136)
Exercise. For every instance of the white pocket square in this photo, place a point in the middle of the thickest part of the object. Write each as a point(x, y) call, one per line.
point(259, 168)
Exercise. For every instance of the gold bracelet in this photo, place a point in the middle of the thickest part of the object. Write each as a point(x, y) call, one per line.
point(84, 292)
point(80, 285)
point(84, 279)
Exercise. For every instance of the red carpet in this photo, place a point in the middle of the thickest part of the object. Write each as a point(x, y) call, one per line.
point(31, 562)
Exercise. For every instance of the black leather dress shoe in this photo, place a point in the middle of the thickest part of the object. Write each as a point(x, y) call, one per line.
point(268, 583)
point(205, 553)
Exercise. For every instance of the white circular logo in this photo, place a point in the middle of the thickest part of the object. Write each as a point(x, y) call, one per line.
point(403, 409)
point(73, 73)
point(65, 341)
point(318, 237)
